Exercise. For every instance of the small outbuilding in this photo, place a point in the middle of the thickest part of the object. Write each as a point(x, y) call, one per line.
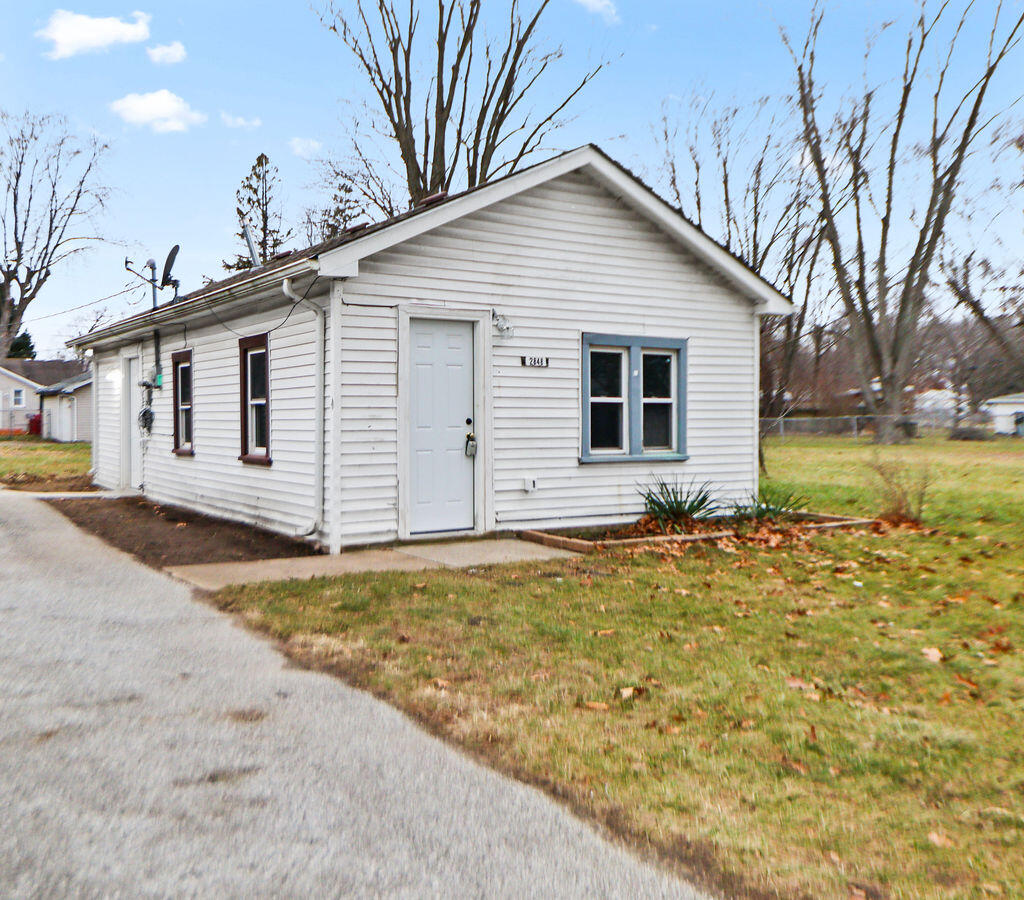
point(1007, 413)
point(66, 408)
point(525, 354)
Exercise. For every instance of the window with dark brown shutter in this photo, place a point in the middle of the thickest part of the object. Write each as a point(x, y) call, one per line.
point(254, 378)
point(181, 365)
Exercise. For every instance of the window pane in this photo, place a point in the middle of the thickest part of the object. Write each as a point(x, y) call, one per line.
point(657, 375)
point(258, 375)
point(605, 374)
point(185, 428)
point(258, 427)
point(605, 426)
point(185, 384)
point(657, 426)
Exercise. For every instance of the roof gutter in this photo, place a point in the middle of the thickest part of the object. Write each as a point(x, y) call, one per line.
point(175, 311)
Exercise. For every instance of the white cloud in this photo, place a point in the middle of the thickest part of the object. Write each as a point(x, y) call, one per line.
point(160, 110)
point(305, 147)
point(167, 54)
point(603, 8)
point(74, 33)
point(240, 121)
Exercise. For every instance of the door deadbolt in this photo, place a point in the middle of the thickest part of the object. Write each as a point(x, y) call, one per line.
point(470, 444)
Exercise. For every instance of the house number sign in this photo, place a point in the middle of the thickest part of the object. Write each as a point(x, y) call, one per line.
point(535, 362)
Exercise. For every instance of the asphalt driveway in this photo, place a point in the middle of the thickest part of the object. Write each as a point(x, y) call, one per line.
point(149, 746)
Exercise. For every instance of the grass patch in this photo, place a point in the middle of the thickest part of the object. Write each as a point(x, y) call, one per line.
point(26, 459)
point(836, 716)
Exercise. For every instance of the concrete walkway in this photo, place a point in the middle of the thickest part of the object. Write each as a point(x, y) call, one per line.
point(151, 747)
point(407, 558)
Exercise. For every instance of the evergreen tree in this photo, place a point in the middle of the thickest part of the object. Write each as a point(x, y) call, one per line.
point(257, 201)
point(22, 347)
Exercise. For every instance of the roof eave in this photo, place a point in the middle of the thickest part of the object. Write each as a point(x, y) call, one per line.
point(176, 311)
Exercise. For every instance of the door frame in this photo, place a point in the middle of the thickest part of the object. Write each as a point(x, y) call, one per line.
point(483, 463)
point(128, 433)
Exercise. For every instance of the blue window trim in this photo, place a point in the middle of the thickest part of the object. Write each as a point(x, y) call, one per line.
point(635, 347)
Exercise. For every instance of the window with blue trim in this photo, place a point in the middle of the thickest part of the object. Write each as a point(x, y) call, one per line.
point(634, 398)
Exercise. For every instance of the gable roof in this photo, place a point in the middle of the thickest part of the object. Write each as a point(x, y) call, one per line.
point(339, 256)
point(67, 386)
point(40, 372)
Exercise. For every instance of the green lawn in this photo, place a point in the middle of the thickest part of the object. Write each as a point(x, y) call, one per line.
point(837, 718)
point(29, 459)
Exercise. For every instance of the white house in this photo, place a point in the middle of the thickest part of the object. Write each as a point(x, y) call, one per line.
point(524, 354)
point(21, 380)
point(67, 409)
point(1007, 413)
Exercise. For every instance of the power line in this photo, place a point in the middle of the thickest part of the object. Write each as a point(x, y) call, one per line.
point(64, 312)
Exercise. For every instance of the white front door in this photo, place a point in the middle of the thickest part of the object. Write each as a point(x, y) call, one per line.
point(131, 458)
point(441, 411)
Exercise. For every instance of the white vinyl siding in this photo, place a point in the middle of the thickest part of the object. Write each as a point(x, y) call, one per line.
point(278, 497)
point(560, 259)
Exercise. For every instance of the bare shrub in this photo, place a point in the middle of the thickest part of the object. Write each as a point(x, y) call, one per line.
point(902, 488)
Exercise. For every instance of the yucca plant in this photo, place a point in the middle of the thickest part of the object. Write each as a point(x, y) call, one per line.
point(673, 504)
point(771, 502)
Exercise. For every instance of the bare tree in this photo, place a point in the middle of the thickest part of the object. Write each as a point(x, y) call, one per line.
point(51, 188)
point(730, 169)
point(257, 197)
point(974, 283)
point(866, 167)
point(458, 107)
point(990, 285)
point(321, 223)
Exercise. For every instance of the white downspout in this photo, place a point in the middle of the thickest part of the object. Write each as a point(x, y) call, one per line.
point(321, 418)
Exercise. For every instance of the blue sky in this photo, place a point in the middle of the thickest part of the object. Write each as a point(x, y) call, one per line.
point(232, 80)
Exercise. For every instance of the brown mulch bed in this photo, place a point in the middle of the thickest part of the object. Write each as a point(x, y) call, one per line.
point(52, 485)
point(171, 536)
point(647, 526)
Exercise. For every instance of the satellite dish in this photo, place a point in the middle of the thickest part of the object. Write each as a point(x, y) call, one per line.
point(171, 257)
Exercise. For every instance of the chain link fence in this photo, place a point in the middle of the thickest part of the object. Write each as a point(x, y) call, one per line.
point(852, 426)
point(17, 420)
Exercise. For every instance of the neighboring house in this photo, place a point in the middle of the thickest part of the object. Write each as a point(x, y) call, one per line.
point(67, 409)
point(1007, 413)
point(21, 379)
point(524, 354)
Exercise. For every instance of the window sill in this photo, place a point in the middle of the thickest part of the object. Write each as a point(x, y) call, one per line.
point(250, 460)
point(183, 451)
point(589, 459)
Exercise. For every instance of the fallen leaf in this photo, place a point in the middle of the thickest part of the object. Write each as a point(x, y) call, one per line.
point(441, 683)
point(420, 586)
point(404, 639)
point(596, 705)
point(932, 654)
point(627, 693)
point(605, 632)
point(967, 681)
point(939, 839)
point(672, 729)
point(812, 735)
point(946, 699)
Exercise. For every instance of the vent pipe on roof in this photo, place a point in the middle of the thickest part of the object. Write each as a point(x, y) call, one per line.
point(432, 199)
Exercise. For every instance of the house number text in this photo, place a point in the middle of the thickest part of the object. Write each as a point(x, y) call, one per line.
point(535, 362)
